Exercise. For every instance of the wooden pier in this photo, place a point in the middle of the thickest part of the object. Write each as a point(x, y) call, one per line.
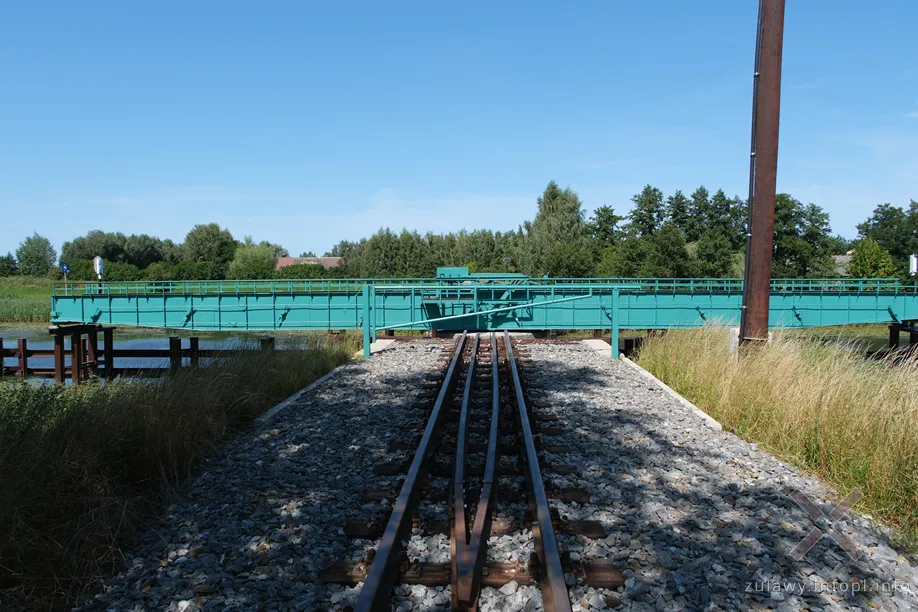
point(87, 359)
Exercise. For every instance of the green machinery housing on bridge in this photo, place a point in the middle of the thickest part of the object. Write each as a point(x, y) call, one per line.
point(457, 300)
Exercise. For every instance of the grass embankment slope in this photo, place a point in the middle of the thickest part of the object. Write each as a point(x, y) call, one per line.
point(817, 405)
point(25, 299)
point(82, 468)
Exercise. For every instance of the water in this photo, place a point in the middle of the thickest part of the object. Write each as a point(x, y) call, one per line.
point(134, 338)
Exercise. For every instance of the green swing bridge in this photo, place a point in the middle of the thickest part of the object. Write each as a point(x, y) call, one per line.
point(458, 300)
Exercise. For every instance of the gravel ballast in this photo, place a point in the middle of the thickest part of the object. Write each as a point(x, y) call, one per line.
point(697, 519)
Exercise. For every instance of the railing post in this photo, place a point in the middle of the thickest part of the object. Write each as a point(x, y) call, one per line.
point(366, 321)
point(2, 358)
point(60, 366)
point(76, 358)
point(175, 354)
point(615, 323)
point(23, 357)
point(193, 350)
point(108, 348)
point(267, 344)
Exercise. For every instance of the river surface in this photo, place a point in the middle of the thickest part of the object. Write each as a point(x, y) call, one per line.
point(136, 338)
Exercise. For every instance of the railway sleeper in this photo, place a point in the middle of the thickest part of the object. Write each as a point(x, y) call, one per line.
point(567, 494)
point(371, 530)
point(505, 448)
point(599, 574)
point(440, 469)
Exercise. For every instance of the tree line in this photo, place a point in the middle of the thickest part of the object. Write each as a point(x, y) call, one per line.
point(683, 236)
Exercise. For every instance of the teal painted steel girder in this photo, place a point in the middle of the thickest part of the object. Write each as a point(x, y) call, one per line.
point(473, 303)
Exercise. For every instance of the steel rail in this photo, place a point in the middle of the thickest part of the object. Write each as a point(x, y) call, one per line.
point(555, 597)
point(459, 534)
point(469, 552)
point(377, 588)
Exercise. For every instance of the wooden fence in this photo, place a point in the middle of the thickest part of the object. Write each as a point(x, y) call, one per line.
point(87, 358)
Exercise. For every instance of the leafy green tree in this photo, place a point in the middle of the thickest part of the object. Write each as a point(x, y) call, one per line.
point(414, 258)
point(568, 260)
point(839, 245)
point(607, 266)
point(81, 270)
point(209, 243)
point(699, 213)
point(172, 253)
point(802, 245)
point(713, 255)
point(142, 250)
point(342, 249)
point(647, 215)
point(118, 271)
point(377, 256)
point(624, 260)
point(311, 254)
point(678, 211)
point(35, 256)
point(196, 270)
point(96, 243)
point(870, 260)
point(559, 220)
point(252, 261)
point(667, 255)
point(478, 249)
point(158, 271)
point(8, 265)
point(604, 227)
point(894, 229)
point(279, 251)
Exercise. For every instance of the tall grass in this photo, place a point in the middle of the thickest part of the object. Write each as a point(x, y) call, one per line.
point(24, 309)
point(818, 405)
point(25, 299)
point(32, 286)
point(81, 468)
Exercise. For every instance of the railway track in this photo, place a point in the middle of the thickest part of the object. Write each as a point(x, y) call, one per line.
point(485, 428)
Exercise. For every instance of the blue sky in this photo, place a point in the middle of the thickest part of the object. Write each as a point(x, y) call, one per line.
point(305, 123)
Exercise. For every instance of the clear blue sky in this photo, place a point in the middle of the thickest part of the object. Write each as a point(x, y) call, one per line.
point(307, 122)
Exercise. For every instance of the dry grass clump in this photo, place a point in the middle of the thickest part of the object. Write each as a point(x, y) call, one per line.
point(818, 405)
point(82, 468)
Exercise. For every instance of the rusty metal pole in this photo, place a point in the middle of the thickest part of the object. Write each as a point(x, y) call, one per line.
point(764, 171)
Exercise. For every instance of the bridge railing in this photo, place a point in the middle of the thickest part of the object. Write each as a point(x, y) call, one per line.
point(734, 285)
point(355, 285)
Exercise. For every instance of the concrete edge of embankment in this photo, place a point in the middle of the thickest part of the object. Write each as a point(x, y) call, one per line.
point(604, 348)
point(707, 418)
point(272, 412)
